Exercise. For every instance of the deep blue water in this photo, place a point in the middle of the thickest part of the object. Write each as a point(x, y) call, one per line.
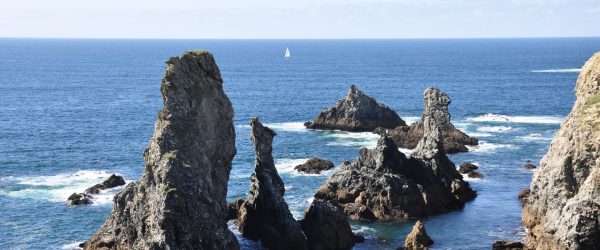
point(74, 111)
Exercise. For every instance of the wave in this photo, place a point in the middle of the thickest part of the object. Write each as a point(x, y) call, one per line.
point(353, 139)
point(487, 147)
point(517, 119)
point(534, 137)
point(57, 188)
point(411, 119)
point(569, 70)
point(286, 165)
point(74, 245)
point(282, 126)
point(494, 129)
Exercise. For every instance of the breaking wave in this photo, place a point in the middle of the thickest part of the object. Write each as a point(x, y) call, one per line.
point(571, 70)
point(517, 119)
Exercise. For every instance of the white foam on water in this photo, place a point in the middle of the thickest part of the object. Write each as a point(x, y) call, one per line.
point(310, 200)
point(286, 165)
point(534, 137)
point(478, 134)
point(517, 119)
point(353, 139)
point(281, 126)
point(469, 179)
point(494, 129)
point(405, 151)
point(363, 230)
point(411, 119)
point(568, 70)
point(487, 147)
point(57, 188)
point(74, 245)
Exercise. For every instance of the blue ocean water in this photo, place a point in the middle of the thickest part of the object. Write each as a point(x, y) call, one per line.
point(74, 111)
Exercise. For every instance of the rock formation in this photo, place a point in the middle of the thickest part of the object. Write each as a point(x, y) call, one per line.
point(564, 204)
point(356, 112)
point(466, 167)
point(507, 245)
point(314, 166)
point(417, 238)
point(383, 184)
point(234, 209)
point(523, 196)
point(529, 165)
point(409, 136)
point(264, 214)
point(326, 226)
point(179, 202)
point(111, 182)
point(475, 174)
point(76, 199)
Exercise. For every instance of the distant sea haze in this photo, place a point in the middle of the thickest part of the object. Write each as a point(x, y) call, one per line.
point(76, 111)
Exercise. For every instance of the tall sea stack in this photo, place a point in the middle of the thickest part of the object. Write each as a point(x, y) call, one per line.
point(179, 203)
point(563, 207)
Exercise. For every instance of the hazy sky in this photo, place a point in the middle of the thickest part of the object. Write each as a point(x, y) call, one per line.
point(299, 19)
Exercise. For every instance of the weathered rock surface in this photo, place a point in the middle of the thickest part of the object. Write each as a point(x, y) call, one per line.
point(314, 166)
point(467, 167)
point(264, 214)
point(179, 202)
point(475, 174)
point(529, 165)
point(234, 209)
point(76, 199)
point(326, 226)
point(523, 196)
point(418, 238)
point(563, 208)
point(383, 184)
point(455, 141)
point(507, 245)
point(356, 112)
point(111, 182)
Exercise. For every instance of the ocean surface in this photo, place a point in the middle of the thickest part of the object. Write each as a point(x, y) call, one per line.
point(72, 112)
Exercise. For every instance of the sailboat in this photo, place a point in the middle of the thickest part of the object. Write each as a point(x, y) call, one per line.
point(287, 53)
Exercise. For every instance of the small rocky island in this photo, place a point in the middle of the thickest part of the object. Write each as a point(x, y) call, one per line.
point(357, 112)
point(314, 166)
point(86, 197)
point(455, 141)
point(383, 184)
point(562, 209)
point(179, 202)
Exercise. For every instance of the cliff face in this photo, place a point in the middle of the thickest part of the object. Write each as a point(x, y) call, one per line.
point(383, 184)
point(562, 209)
point(356, 112)
point(179, 203)
point(264, 214)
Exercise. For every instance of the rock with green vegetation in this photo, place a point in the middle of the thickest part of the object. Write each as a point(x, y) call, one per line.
point(356, 112)
point(563, 207)
point(179, 202)
point(265, 215)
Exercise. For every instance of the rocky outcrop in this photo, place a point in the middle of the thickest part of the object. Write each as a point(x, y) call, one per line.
point(356, 112)
point(523, 196)
point(507, 245)
point(179, 202)
point(326, 226)
point(383, 184)
point(111, 182)
point(529, 165)
point(314, 166)
point(564, 204)
point(76, 199)
point(467, 167)
point(455, 141)
point(475, 174)
point(417, 238)
point(234, 209)
point(264, 214)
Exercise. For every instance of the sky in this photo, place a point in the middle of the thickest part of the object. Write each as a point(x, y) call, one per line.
point(304, 19)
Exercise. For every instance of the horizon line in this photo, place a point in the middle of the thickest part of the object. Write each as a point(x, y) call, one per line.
point(316, 38)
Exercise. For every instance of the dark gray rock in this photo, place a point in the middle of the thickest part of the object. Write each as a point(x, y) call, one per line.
point(383, 184)
point(76, 199)
point(234, 209)
point(264, 215)
point(111, 182)
point(179, 202)
point(524, 195)
point(529, 165)
point(314, 166)
point(454, 140)
point(326, 226)
point(507, 245)
point(475, 174)
point(356, 112)
point(467, 167)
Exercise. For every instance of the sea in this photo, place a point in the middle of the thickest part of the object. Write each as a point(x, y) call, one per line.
point(74, 111)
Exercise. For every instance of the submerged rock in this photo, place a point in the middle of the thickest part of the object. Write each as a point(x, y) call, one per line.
point(529, 165)
point(179, 202)
point(264, 214)
point(417, 238)
point(76, 199)
point(475, 174)
point(326, 227)
point(314, 166)
point(507, 245)
point(356, 112)
point(467, 167)
point(564, 204)
point(455, 141)
point(383, 184)
point(111, 182)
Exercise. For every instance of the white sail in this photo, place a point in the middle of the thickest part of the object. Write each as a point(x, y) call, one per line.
point(287, 53)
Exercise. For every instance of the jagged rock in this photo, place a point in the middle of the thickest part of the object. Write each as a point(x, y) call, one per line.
point(523, 196)
point(234, 209)
point(455, 141)
point(383, 184)
point(111, 182)
point(418, 238)
point(76, 199)
point(507, 245)
point(314, 166)
point(529, 165)
point(564, 204)
point(475, 174)
point(356, 112)
point(180, 200)
point(264, 214)
point(326, 226)
point(467, 167)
